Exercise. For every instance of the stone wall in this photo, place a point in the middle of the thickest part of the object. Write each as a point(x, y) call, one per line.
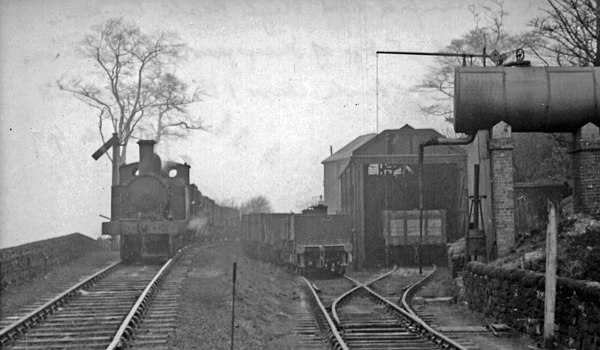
point(516, 297)
point(21, 263)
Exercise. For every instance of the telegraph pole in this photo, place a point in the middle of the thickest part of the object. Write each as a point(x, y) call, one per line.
point(233, 305)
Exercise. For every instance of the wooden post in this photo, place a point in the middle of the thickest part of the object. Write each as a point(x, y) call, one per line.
point(116, 160)
point(233, 305)
point(550, 291)
point(421, 156)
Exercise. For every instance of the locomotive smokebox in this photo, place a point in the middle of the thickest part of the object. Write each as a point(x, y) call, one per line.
point(529, 99)
point(149, 161)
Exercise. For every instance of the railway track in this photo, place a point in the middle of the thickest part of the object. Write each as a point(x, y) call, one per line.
point(363, 319)
point(102, 312)
point(308, 332)
point(461, 333)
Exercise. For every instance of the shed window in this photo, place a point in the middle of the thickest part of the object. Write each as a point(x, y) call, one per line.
point(396, 227)
point(373, 169)
point(434, 227)
point(412, 227)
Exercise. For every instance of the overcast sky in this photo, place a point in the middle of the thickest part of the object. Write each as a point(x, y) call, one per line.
point(284, 81)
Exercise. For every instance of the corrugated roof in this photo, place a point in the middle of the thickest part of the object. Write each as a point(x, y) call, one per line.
point(346, 151)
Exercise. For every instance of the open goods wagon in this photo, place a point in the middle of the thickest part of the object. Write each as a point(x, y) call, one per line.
point(303, 242)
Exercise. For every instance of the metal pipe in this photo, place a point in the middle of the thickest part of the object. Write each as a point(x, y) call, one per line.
point(444, 54)
point(433, 142)
point(476, 197)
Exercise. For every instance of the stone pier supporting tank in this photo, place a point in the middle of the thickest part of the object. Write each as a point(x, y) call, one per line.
point(532, 99)
point(501, 146)
point(585, 153)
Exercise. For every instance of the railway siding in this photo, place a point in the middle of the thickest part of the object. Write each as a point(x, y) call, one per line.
point(516, 297)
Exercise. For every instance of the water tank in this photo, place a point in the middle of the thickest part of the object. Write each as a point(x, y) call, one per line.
point(544, 99)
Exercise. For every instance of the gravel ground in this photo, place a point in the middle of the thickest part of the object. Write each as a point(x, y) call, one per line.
point(439, 285)
point(46, 286)
point(458, 314)
point(393, 286)
point(267, 298)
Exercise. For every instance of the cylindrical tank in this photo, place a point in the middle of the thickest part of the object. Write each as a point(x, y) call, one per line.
point(543, 99)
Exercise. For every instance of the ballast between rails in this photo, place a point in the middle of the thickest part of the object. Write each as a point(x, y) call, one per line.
point(334, 337)
point(338, 301)
point(20, 326)
point(126, 329)
point(410, 291)
point(134, 317)
point(420, 325)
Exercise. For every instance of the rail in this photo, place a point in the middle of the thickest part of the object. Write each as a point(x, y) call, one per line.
point(23, 324)
point(336, 302)
point(418, 325)
point(412, 289)
point(334, 337)
point(135, 315)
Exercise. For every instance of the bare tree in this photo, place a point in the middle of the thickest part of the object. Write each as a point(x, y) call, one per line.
point(228, 202)
point(256, 204)
point(131, 89)
point(537, 157)
point(540, 157)
point(489, 33)
point(568, 34)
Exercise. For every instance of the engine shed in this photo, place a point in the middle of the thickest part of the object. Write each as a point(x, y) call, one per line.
point(379, 190)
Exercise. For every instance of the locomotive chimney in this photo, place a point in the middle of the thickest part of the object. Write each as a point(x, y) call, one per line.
point(146, 156)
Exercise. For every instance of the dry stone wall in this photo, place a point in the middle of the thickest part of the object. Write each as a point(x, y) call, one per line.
point(21, 263)
point(516, 297)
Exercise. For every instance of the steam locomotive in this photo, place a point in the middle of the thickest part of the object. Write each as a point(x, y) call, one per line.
point(307, 243)
point(156, 211)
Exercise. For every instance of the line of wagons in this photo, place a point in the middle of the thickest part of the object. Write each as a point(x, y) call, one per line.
point(155, 211)
point(309, 242)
